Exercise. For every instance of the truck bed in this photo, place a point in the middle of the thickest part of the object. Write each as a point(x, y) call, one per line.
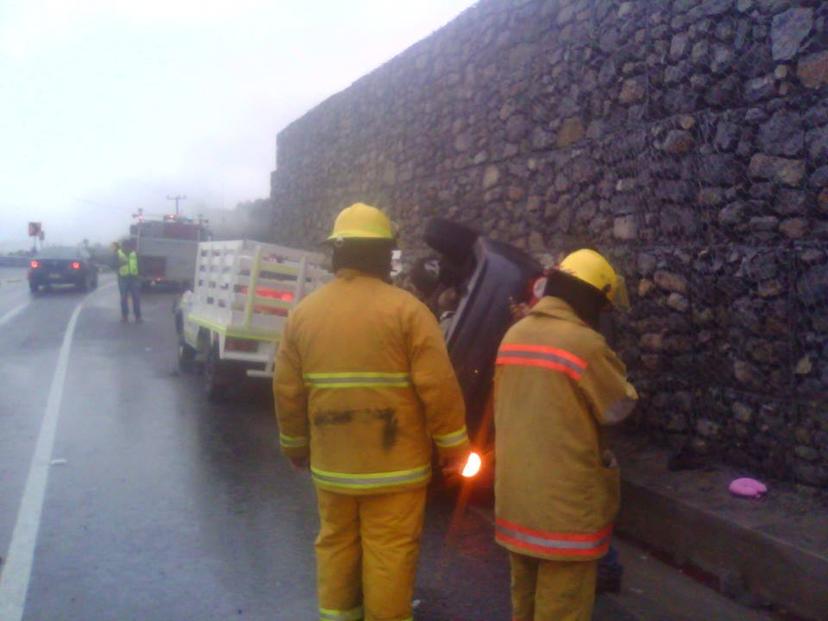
point(245, 289)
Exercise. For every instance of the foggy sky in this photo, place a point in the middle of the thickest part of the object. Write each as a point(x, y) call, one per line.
point(109, 105)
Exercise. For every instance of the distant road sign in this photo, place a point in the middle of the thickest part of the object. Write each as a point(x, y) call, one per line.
point(35, 229)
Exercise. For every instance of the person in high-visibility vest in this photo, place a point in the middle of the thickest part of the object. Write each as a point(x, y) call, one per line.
point(128, 282)
point(363, 386)
point(557, 384)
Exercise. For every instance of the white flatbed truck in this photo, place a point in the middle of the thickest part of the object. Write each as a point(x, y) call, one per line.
point(233, 318)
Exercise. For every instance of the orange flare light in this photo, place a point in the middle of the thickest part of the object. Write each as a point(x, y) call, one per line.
point(472, 467)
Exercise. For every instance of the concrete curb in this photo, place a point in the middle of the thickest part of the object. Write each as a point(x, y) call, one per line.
point(759, 552)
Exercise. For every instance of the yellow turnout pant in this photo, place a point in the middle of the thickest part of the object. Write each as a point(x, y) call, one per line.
point(552, 590)
point(366, 555)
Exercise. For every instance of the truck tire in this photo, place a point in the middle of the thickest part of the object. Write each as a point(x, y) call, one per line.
point(186, 356)
point(451, 239)
point(215, 376)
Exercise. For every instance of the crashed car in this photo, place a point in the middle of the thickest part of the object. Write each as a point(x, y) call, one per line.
point(479, 279)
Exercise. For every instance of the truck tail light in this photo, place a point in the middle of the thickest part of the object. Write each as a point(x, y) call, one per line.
point(34, 264)
point(75, 265)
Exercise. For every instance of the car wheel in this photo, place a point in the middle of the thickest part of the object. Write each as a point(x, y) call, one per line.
point(186, 356)
point(215, 376)
point(451, 239)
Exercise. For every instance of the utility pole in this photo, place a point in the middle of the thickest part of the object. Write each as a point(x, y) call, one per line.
point(176, 198)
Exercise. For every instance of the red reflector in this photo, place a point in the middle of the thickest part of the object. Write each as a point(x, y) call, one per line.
point(35, 264)
point(75, 265)
point(264, 292)
point(245, 345)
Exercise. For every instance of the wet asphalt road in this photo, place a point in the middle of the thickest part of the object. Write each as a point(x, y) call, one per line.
point(162, 507)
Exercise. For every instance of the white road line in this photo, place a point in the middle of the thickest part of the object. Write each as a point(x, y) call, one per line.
point(17, 570)
point(13, 313)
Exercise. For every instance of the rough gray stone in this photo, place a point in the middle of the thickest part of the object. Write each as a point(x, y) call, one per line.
point(678, 142)
point(791, 203)
point(782, 134)
point(819, 178)
point(727, 135)
point(711, 8)
point(490, 177)
point(516, 128)
point(761, 88)
point(541, 139)
point(817, 140)
point(720, 169)
point(678, 73)
point(679, 45)
point(742, 412)
point(787, 171)
point(701, 52)
point(678, 302)
point(646, 263)
point(670, 281)
point(794, 228)
point(733, 214)
point(722, 59)
point(812, 286)
point(625, 228)
point(789, 31)
point(707, 428)
point(633, 90)
point(813, 70)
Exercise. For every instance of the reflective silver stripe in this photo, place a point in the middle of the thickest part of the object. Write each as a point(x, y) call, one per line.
point(536, 355)
point(552, 544)
point(357, 380)
point(292, 441)
point(355, 614)
point(368, 481)
point(619, 410)
point(452, 439)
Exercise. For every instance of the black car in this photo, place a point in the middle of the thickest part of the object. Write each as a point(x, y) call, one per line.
point(486, 277)
point(62, 266)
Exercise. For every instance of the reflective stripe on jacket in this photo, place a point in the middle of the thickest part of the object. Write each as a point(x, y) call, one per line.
point(363, 384)
point(557, 383)
point(127, 263)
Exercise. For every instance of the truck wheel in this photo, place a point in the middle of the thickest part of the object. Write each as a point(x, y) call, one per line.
point(186, 356)
point(34, 288)
point(215, 376)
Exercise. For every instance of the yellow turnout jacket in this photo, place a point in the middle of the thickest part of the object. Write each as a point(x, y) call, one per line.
point(557, 383)
point(363, 384)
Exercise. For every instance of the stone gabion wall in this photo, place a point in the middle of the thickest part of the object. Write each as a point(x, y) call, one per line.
point(687, 139)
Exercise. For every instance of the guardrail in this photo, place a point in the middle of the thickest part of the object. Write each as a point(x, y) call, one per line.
point(14, 261)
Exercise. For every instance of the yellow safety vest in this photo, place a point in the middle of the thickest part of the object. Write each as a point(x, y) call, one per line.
point(363, 384)
point(128, 263)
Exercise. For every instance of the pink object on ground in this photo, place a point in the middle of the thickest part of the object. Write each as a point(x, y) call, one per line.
point(748, 488)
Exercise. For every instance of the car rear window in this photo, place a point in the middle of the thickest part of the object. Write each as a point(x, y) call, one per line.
point(60, 252)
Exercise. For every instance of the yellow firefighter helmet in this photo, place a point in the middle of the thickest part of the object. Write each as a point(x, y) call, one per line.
point(592, 268)
point(361, 221)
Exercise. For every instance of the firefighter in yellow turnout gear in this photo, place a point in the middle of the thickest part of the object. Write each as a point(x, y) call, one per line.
point(557, 384)
point(363, 385)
